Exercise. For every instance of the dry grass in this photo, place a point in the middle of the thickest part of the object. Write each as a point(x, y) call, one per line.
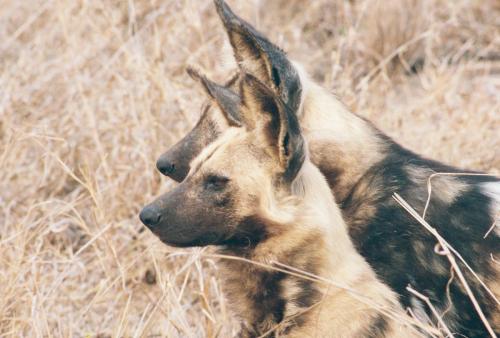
point(93, 91)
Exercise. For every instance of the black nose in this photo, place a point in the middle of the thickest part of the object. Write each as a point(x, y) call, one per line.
point(165, 166)
point(150, 216)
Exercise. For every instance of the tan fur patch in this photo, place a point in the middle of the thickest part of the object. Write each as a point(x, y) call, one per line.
point(341, 144)
point(444, 187)
point(493, 283)
point(314, 232)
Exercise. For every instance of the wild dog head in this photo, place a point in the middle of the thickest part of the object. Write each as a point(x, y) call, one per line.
point(233, 179)
point(174, 163)
point(256, 55)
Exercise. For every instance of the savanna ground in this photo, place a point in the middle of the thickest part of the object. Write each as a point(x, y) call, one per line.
point(91, 92)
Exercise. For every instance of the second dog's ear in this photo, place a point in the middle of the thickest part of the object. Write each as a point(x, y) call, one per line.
point(227, 100)
point(258, 56)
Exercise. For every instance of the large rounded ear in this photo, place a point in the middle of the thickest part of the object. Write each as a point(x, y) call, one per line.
point(257, 55)
point(276, 122)
point(227, 100)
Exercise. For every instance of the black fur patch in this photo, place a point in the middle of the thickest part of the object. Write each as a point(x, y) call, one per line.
point(250, 232)
point(269, 300)
point(250, 45)
point(401, 250)
point(308, 294)
point(377, 328)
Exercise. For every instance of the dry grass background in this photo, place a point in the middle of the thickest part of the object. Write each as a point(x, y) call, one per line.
point(91, 92)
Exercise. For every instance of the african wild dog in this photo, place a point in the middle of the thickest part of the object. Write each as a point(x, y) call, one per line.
point(255, 194)
point(364, 168)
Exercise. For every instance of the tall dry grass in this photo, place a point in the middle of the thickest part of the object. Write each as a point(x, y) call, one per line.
point(91, 92)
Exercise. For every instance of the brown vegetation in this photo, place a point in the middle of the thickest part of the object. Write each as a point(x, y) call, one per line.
point(93, 91)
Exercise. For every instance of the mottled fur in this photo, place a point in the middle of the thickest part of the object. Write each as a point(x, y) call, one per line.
point(314, 241)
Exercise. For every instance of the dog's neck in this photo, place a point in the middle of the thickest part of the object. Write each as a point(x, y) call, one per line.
point(343, 145)
point(314, 240)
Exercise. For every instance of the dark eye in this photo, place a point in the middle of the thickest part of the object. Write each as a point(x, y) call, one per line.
point(216, 183)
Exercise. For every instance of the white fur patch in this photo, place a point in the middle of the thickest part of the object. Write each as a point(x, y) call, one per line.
point(418, 309)
point(492, 190)
point(445, 187)
point(305, 84)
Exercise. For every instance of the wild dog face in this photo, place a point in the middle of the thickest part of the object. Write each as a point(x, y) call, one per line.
point(174, 163)
point(256, 55)
point(235, 176)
